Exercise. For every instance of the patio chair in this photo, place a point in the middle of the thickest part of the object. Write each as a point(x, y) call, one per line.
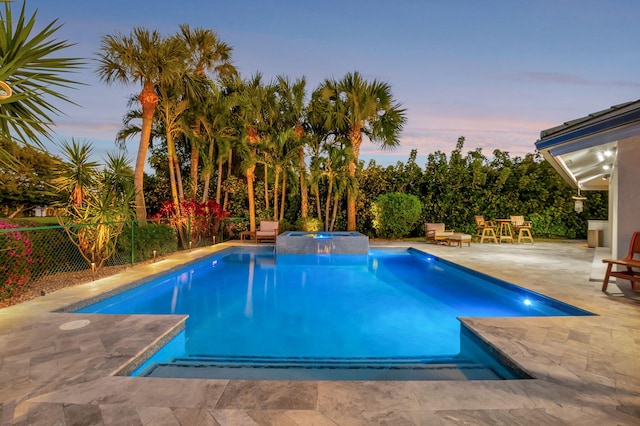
point(268, 231)
point(437, 232)
point(522, 228)
point(630, 262)
point(486, 229)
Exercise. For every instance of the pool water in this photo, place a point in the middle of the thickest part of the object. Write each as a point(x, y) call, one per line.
point(249, 307)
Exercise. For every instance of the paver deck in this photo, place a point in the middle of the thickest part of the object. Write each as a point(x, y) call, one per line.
point(586, 369)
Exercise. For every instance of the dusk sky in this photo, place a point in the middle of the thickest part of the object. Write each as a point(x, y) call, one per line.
point(495, 71)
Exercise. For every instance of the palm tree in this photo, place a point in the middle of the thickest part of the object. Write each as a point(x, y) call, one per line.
point(77, 175)
point(280, 153)
point(32, 75)
point(216, 133)
point(206, 53)
point(334, 166)
point(148, 59)
point(357, 107)
point(255, 113)
point(118, 176)
point(293, 108)
point(172, 104)
point(316, 136)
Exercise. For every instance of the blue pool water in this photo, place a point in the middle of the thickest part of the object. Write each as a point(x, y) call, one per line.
point(249, 307)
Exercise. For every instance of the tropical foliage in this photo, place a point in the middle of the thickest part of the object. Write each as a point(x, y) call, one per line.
point(34, 74)
point(356, 107)
point(279, 150)
point(145, 242)
point(194, 221)
point(172, 73)
point(16, 260)
point(26, 183)
point(395, 214)
point(97, 203)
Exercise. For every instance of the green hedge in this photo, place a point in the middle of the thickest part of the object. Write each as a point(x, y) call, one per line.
point(159, 237)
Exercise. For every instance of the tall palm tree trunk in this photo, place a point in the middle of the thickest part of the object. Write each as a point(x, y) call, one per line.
point(195, 158)
point(318, 203)
point(148, 100)
point(355, 136)
point(336, 203)
point(304, 195)
point(176, 162)
point(276, 186)
point(229, 170)
point(174, 167)
point(172, 171)
point(283, 195)
point(327, 206)
point(207, 174)
point(219, 182)
point(266, 187)
point(251, 196)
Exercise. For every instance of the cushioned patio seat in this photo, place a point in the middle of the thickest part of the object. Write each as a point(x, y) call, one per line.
point(437, 232)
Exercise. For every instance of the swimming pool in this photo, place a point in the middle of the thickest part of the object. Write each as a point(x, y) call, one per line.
point(391, 314)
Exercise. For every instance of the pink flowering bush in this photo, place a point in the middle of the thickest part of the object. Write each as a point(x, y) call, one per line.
point(16, 258)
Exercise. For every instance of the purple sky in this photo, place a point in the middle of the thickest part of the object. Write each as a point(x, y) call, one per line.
point(495, 71)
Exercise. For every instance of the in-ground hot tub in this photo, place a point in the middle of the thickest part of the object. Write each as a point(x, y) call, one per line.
point(298, 242)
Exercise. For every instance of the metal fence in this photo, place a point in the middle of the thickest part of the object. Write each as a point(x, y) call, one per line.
point(32, 253)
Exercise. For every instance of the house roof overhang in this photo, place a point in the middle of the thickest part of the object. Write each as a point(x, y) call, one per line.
point(584, 150)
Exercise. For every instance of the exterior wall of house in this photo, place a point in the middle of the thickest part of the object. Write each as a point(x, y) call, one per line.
point(628, 193)
point(613, 212)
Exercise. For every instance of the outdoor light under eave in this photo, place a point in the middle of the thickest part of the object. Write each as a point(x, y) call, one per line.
point(579, 202)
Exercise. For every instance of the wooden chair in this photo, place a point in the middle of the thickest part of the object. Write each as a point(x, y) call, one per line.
point(268, 231)
point(522, 228)
point(486, 229)
point(436, 232)
point(630, 262)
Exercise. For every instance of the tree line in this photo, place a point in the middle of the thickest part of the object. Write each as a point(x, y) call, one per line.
point(205, 116)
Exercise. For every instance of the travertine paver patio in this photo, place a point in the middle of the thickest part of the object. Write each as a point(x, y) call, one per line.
point(586, 369)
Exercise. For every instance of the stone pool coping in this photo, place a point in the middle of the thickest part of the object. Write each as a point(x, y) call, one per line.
point(586, 369)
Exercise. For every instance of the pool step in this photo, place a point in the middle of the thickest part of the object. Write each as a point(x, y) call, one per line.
point(308, 368)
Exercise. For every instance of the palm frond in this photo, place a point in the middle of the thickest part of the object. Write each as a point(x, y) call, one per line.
point(34, 75)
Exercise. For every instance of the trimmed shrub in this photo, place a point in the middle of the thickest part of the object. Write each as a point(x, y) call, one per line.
point(309, 224)
point(395, 214)
point(159, 237)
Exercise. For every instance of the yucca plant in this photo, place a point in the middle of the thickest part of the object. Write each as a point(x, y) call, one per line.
point(35, 76)
point(99, 202)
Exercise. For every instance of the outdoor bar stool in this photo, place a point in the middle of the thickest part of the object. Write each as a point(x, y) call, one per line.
point(486, 229)
point(522, 228)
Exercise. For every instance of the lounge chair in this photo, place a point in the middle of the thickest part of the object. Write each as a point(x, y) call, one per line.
point(522, 228)
point(268, 231)
point(437, 232)
point(486, 229)
point(630, 262)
